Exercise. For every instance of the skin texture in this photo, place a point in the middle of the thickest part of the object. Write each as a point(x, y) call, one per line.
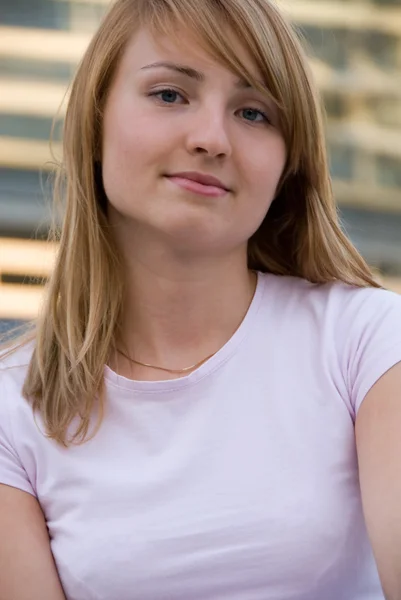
point(378, 427)
point(188, 285)
point(27, 568)
point(204, 129)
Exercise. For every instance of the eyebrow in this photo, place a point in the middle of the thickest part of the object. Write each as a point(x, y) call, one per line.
point(190, 72)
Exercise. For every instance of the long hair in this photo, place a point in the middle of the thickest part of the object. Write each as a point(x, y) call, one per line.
point(300, 235)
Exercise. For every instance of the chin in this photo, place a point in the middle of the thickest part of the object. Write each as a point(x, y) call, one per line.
point(194, 236)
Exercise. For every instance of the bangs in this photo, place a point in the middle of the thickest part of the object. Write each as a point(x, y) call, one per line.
point(280, 72)
point(272, 45)
point(218, 27)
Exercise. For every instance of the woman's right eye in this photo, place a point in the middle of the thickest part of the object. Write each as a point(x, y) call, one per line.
point(167, 96)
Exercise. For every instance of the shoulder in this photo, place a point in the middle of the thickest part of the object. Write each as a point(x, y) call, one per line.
point(18, 430)
point(356, 332)
point(14, 363)
point(347, 317)
point(15, 360)
point(333, 298)
point(360, 310)
point(367, 335)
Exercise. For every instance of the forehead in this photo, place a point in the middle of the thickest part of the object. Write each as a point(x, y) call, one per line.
point(144, 49)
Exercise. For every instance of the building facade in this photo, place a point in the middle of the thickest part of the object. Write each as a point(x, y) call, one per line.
point(355, 48)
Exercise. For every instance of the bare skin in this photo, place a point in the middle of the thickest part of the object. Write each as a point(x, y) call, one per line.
point(185, 254)
point(27, 568)
point(188, 284)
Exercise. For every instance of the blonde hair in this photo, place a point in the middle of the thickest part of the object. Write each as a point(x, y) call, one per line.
point(300, 235)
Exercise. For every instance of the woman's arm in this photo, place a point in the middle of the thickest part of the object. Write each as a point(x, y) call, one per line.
point(27, 568)
point(378, 436)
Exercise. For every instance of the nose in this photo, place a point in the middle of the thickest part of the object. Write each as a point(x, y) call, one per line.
point(208, 133)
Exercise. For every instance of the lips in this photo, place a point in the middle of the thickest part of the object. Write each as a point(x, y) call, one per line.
point(203, 179)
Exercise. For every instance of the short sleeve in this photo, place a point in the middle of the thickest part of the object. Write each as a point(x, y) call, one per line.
point(373, 340)
point(12, 471)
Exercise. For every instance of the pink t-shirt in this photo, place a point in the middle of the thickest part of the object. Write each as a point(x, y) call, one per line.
point(236, 482)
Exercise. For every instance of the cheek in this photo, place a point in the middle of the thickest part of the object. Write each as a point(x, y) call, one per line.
point(121, 145)
point(269, 161)
point(127, 151)
point(132, 131)
point(263, 167)
point(135, 148)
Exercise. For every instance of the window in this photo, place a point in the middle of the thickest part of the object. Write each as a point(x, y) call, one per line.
point(46, 14)
point(386, 2)
point(86, 16)
point(386, 111)
point(334, 106)
point(329, 45)
point(23, 126)
point(34, 70)
point(377, 236)
point(389, 172)
point(341, 161)
point(24, 202)
point(382, 49)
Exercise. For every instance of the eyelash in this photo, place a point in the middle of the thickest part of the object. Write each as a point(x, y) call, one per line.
point(158, 92)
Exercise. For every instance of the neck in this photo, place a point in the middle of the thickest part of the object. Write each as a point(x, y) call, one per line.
point(177, 315)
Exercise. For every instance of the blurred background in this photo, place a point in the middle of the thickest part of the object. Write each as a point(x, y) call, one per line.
point(355, 55)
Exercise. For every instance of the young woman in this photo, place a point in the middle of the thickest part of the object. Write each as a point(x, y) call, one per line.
point(209, 406)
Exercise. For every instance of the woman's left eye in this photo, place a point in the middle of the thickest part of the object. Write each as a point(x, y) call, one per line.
point(255, 115)
point(168, 95)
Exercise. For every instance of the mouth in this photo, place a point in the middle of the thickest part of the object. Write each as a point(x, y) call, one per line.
point(199, 183)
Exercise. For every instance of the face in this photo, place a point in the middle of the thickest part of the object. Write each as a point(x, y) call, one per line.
point(167, 129)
